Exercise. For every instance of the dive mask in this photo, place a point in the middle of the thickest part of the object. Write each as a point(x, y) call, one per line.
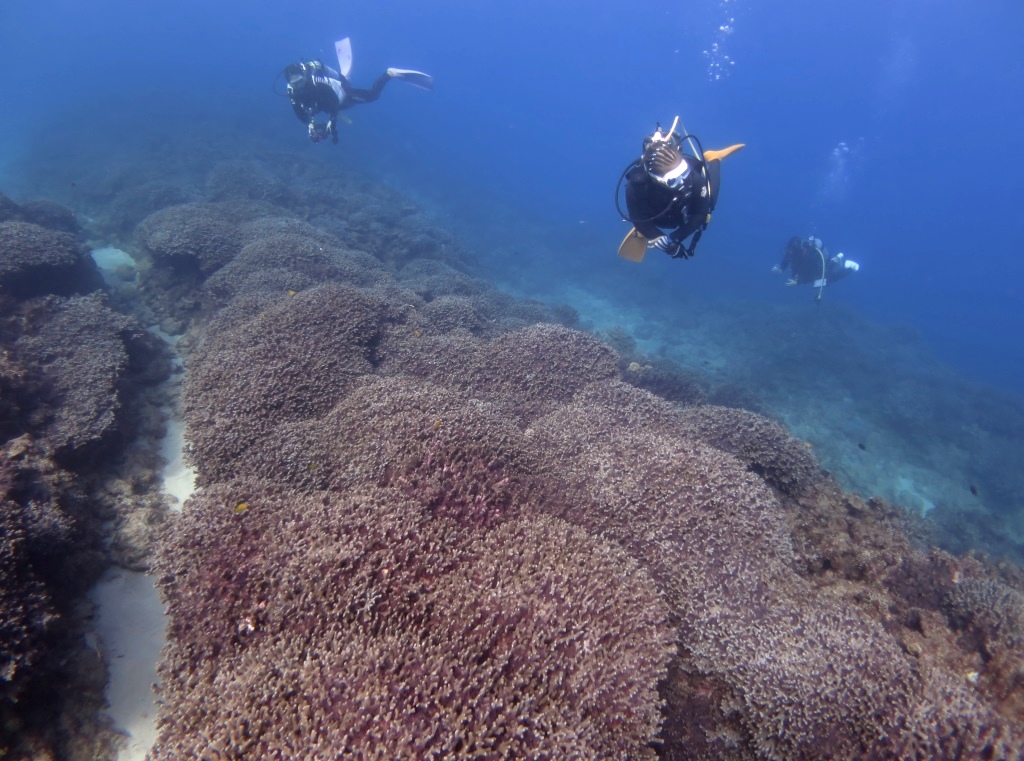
point(666, 165)
point(663, 159)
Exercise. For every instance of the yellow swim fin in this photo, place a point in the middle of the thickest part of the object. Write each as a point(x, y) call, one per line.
point(633, 247)
point(712, 155)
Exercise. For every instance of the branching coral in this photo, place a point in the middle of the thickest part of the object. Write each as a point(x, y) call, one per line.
point(453, 456)
point(764, 445)
point(297, 358)
point(84, 353)
point(773, 670)
point(369, 630)
point(290, 261)
point(35, 261)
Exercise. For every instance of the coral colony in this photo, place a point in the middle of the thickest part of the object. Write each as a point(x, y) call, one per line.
point(434, 521)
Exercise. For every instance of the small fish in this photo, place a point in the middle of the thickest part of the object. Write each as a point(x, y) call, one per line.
point(861, 445)
point(974, 490)
point(241, 507)
point(438, 423)
point(291, 293)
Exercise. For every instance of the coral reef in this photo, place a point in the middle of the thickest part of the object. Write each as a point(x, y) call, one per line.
point(663, 378)
point(989, 614)
point(279, 262)
point(50, 553)
point(774, 670)
point(86, 354)
point(35, 260)
point(300, 352)
point(437, 521)
point(245, 180)
point(194, 237)
point(73, 375)
point(370, 629)
point(765, 446)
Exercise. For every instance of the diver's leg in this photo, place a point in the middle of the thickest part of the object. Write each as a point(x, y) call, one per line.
point(362, 95)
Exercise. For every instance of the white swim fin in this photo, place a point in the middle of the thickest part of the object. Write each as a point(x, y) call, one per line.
point(343, 48)
point(417, 78)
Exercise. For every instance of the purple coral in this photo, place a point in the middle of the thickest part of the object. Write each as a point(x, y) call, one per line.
point(767, 668)
point(192, 237)
point(765, 446)
point(367, 627)
point(282, 262)
point(87, 356)
point(296, 357)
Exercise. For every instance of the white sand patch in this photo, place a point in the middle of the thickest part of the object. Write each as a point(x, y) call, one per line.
point(909, 495)
point(109, 259)
point(131, 625)
point(130, 621)
point(179, 477)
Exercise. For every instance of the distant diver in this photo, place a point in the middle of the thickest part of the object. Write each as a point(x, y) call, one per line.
point(670, 195)
point(314, 88)
point(809, 264)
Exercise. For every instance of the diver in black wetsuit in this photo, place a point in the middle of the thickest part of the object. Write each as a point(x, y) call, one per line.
point(670, 194)
point(314, 88)
point(808, 263)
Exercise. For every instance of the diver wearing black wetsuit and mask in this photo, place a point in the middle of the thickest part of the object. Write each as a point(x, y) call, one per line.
point(670, 194)
point(314, 88)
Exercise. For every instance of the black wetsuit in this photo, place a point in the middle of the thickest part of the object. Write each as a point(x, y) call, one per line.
point(655, 209)
point(328, 92)
point(807, 264)
point(803, 261)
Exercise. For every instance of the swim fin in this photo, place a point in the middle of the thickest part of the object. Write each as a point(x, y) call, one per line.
point(343, 49)
point(633, 246)
point(712, 155)
point(417, 78)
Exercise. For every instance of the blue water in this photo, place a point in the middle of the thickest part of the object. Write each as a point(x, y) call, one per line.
point(541, 104)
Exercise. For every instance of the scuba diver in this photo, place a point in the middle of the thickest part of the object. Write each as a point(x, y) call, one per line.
point(670, 194)
point(314, 88)
point(809, 264)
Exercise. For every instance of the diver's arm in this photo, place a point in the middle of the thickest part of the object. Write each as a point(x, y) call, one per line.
point(303, 115)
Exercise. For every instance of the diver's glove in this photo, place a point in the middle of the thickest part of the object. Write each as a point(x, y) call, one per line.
point(671, 247)
point(332, 130)
point(851, 265)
